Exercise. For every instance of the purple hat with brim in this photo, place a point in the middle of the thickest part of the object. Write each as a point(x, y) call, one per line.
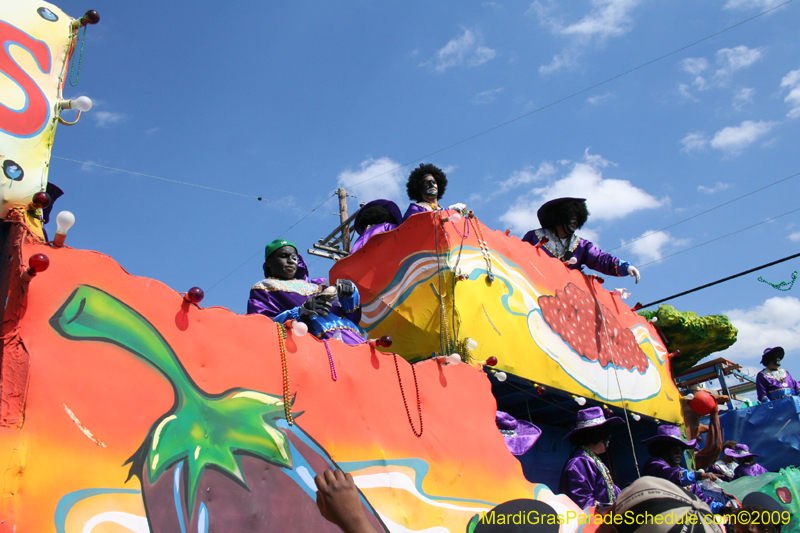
point(670, 434)
point(386, 204)
point(741, 451)
point(550, 204)
point(520, 435)
point(772, 353)
point(591, 418)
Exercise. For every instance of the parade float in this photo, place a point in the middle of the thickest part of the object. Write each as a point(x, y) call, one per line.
point(126, 406)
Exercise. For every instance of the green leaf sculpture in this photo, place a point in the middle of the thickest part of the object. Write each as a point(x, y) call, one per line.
point(201, 429)
point(695, 336)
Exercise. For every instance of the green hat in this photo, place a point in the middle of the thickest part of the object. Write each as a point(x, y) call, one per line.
point(274, 245)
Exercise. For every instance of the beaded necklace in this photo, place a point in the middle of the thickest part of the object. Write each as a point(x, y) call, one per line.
point(603, 471)
point(287, 398)
point(473, 220)
point(405, 402)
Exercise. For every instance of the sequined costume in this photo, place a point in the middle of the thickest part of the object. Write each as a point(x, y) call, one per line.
point(583, 480)
point(584, 251)
point(281, 300)
point(723, 470)
point(775, 384)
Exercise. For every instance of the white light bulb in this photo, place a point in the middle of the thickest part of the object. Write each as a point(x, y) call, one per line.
point(580, 400)
point(653, 320)
point(64, 221)
point(455, 218)
point(636, 417)
point(299, 328)
point(472, 344)
point(501, 376)
point(82, 103)
point(453, 359)
point(689, 397)
point(572, 261)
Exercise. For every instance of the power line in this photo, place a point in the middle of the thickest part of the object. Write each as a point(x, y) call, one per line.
point(640, 306)
point(259, 198)
point(721, 237)
point(573, 95)
point(704, 212)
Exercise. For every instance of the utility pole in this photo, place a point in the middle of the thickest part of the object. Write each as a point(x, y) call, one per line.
point(342, 193)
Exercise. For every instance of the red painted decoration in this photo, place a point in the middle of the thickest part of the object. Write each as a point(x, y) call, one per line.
point(195, 295)
point(33, 118)
point(702, 403)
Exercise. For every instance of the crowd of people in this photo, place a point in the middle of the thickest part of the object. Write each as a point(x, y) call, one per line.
point(333, 312)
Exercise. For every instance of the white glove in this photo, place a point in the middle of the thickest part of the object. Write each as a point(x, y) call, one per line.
point(457, 207)
point(633, 271)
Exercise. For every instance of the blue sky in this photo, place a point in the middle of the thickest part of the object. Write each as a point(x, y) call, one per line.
point(290, 100)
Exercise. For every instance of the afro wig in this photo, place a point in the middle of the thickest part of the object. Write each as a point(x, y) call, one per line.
point(414, 185)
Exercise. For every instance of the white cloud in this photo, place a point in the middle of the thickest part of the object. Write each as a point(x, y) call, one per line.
point(607, 19)
point(719, 186)
point(105, 118)
point(486, 96)
point(651, 245)
point(795, 237)
point(734, 139)
point(751, 4)
point(775, 323)
point(694, 142)
point(528, 175)
point(685, 93)
point(733, 59)
point(607, 199)
point(595, 100)
point(387, 183)
point(466, 49)
point(743, 97)
point(792, 81)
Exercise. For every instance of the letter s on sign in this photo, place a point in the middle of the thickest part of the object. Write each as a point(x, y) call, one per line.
point(31, 119)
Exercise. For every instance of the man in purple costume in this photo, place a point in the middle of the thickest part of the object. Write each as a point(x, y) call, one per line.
point(560, 218)
point(378, 216)
point(287, 293)
point(774, 383)
point(425, 187)
point(585, 478)
point(747, 464)
point(666, 451)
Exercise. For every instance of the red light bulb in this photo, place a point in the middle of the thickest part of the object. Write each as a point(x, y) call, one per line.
point(41, 200)
point(385, 341)
point(491, 361)
point(195, 295)
point(39, 262)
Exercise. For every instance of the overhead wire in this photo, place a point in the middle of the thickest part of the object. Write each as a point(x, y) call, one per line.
point(577, 93)
point(626, 243)
point(722, 237)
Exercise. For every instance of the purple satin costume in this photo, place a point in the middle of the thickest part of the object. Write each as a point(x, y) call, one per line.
point(583, 482)
point(369, 232)
point(753, 469)
point(658, 467)
point(419, 207)
point(281, 301)
point(584, 251)
point(775, 384)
